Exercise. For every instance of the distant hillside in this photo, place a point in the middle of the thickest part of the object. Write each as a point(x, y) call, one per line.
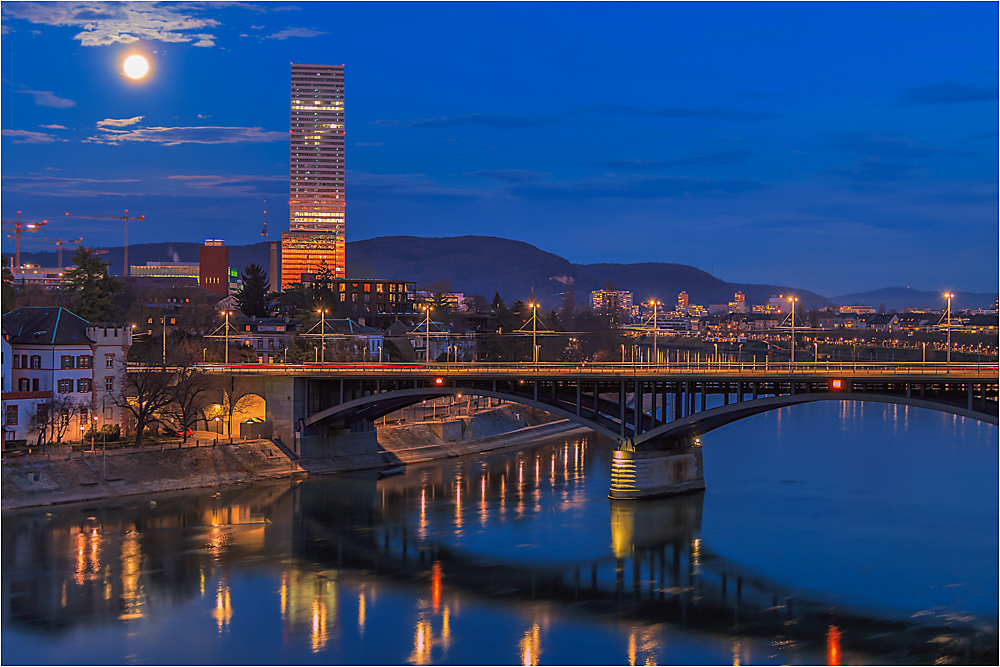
point(899, 298)
point(486, 265)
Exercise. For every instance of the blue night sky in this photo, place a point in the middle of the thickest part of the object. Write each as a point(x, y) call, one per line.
point(836, 147)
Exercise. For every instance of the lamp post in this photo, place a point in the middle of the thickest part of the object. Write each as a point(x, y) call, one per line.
point(427, 333)
point(227, 313)
point(534, 332)
point(322, 332)
point(815, 351)
point(716, 346)
point(949, 296)
point(792, 299)
point(164, 338)
point(924, 360)
point(656, 332)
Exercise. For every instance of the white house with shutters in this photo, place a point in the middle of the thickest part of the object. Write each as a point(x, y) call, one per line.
point(61, 370)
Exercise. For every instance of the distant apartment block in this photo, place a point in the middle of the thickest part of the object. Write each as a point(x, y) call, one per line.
point(857, 309)
point(316, 185)
point(611, 301)
point(371, 296)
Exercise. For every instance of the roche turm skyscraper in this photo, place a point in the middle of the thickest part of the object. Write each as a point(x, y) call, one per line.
point(316, 190)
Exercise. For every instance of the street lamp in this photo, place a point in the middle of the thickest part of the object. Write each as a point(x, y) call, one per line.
point(792, 300)
point(925, 352)
point(164, 338)
point(322, 331)
point(656, 332)
point(427, 333)
point(227, 313)
point(815, 351)
point(949, 296)
point(534, 332)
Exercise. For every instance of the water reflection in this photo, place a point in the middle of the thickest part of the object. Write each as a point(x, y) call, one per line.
point(420, 572)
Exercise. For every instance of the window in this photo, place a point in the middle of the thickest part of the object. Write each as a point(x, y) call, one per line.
point(84, 414)
point(24, 384)
point(34, 384)
point(150, 321)
point(65, 386)
point(109, 384)
point(173, 320)
point(343, 288)
point(11, 415)
point(83, 385)
point(368, 287)
point(67, 361)
point(42, 412)
point(109, 361)
point(36, 361)
point(24, 360)
point(343, 297)
point(85, 361)
point(64, 417)
point(17, 361)
point(379, 288)
point(260, 343)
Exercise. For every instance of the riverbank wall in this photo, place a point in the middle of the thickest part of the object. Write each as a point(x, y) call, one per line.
point(90, 476)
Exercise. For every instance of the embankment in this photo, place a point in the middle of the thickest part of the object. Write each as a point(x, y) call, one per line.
point(35, 482)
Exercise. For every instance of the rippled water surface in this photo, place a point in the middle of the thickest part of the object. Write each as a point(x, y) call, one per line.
point(520, 558)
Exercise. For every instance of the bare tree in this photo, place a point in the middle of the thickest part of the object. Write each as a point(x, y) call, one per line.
point(147, 391)
point(188, 397)
point(237, 396)
point(61, 411)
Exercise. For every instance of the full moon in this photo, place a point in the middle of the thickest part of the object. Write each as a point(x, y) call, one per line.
point(135, 67)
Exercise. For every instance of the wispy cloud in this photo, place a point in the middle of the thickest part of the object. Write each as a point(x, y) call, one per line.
point(630, 188)
point(119, 122)
point(174, 136)
point(53, 127)
point(874, 170)
point(53, 186)
point(105, 23)
point(497, 121)
point(949, 93)
point(714, 159)
point(682, 112)
point(888, 145)
point(508, 175)
point(29, 137)
point(368, 143)
point(295, 32)
point(285, 8)
point(231, 184)
point(46, 98)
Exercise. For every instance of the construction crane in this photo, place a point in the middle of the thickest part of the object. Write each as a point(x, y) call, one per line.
point(124, 218)
point(18, 226)
point(58, 243)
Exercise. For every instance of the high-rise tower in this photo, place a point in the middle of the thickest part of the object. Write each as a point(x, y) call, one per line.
point(316, 190)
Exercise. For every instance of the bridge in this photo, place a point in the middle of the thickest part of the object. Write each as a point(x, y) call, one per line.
point(655, 412)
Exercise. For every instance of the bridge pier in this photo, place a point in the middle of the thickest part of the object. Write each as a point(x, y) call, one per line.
point(651, 474)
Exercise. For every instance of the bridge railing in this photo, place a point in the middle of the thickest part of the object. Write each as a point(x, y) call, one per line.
point(989, 370)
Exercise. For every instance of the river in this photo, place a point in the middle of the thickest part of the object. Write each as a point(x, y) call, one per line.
point(832, 518)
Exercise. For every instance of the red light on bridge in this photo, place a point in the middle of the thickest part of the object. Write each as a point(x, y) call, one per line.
point(836, 384)
point(439, 381)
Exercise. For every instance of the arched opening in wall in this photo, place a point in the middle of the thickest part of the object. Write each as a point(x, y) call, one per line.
point(238, 413)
